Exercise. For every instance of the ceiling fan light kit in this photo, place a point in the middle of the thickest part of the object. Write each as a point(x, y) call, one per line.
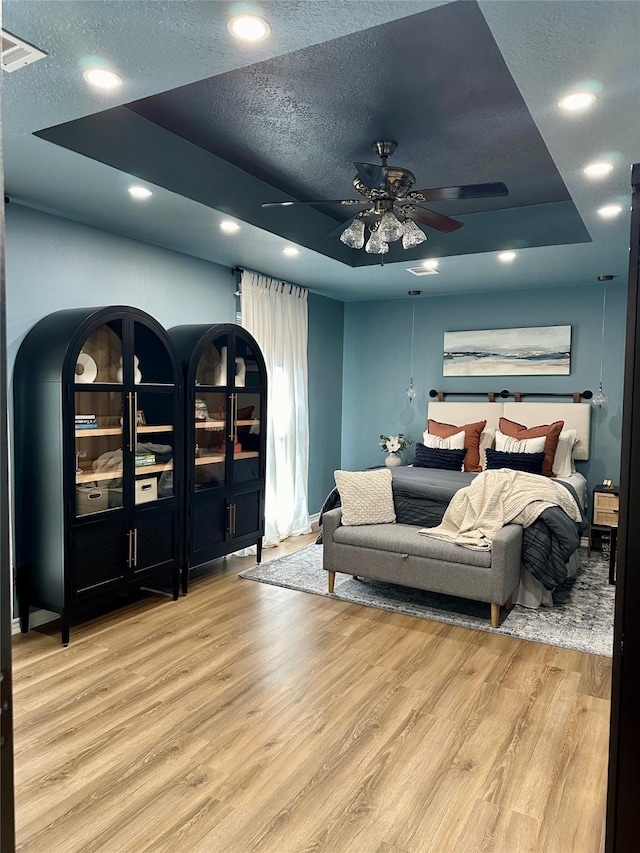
point(392, 206)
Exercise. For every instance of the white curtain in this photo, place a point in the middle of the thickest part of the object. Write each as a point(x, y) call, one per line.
point(276, 315)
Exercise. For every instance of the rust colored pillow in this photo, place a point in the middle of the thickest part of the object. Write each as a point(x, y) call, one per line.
point(550, 431)
point(471, 440)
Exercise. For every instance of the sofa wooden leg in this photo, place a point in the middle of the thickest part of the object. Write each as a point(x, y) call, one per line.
point(509, 602)
point(332, 580)
point(495, 615)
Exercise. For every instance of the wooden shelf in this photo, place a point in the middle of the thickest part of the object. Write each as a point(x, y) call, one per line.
point(116, 473)
point(219, 457)
point(94, 476)
point(84, 433)
point(215, 425)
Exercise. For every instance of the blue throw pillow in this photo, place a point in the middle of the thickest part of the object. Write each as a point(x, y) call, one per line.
point(529, 462)
point(435, 457)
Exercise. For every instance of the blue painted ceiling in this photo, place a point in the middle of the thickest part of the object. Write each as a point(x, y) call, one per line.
point(469, 92)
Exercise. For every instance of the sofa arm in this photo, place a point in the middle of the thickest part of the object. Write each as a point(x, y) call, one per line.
point(506, 552)
point(330, 522)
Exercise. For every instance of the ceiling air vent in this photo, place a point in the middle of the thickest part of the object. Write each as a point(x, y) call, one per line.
point(422, 270)
point(17, 53)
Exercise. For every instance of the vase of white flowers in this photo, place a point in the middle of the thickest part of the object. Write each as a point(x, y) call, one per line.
point(394, 445)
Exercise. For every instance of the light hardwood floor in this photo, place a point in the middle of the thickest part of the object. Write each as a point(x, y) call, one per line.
point(246, 717)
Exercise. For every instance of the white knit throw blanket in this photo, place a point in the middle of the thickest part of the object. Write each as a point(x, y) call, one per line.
point(498, 497)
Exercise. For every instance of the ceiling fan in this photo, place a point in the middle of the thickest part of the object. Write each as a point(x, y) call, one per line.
point(393, 207)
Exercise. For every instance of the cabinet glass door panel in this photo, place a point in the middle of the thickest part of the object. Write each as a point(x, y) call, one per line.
point(212, 365)
point(98, 437)
point(246, 431)
point(151, 360)
point(210, 428)
point(100, 357)
point(153, 415)
point(247, 370)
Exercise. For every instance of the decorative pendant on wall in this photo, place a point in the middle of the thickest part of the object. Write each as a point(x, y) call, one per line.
point(535, 351)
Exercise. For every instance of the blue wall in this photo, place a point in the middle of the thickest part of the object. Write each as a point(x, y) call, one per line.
point(377, 361)
point(53, 263)
point(326, 330)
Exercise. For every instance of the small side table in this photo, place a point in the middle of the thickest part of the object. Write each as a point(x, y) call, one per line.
point(606, 506)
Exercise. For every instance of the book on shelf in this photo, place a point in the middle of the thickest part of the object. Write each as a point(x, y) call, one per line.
point(86, 422)
point(145, 459)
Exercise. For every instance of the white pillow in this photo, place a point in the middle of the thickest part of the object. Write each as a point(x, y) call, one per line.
point(506, 444)
point(487, 437)
point(366, 497)
point(563, 460)
point(454, 442)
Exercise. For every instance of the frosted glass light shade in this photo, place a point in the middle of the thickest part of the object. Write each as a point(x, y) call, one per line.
point(390, 227)
point(376, 245)
point(353, 236)
point(411, 234)
point(599, 399)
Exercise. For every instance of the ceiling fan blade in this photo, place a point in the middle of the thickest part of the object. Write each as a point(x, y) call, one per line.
point(430, 218)
point(465, 191)
point(345, 201)
point(372, 176)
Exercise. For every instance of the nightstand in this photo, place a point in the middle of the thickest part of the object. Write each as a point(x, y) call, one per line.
point(606, 505)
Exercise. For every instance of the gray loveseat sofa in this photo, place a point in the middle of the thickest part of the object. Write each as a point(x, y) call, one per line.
point(397, 553)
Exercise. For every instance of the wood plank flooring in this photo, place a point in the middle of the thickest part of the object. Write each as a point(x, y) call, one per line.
point(246, 717)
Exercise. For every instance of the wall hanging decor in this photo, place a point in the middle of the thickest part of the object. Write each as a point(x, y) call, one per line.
point(535, 351)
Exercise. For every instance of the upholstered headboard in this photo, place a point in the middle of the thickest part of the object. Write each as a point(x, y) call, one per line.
point(575, 416)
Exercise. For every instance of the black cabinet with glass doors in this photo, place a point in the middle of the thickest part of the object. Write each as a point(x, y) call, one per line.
point(98, 415)
point(226, 391)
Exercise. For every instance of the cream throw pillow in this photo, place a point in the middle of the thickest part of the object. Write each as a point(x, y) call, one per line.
point(366, 497)
point(563, 465)
point(507, 444)
point(453, 442)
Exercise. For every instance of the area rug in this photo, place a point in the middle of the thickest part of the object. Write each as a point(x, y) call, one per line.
point(581, 619)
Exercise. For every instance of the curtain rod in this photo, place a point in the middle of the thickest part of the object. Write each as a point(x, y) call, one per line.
point(517, 395)
point(237, 272)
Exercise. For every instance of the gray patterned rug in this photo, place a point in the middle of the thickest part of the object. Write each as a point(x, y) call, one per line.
point(581, 619)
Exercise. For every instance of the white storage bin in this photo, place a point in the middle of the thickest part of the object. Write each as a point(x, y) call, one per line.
point(91, 499)
point(146, 490)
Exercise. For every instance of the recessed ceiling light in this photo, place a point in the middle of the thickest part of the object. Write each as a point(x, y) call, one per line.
point(430, 264)
point(577, 101)
point(102, 78)
point(229, 227)
point(597, 170)
point(287, 203)
point(139, 192)
point(249, 28)
point(290, 251)
point(507, 257)
point(609, 211)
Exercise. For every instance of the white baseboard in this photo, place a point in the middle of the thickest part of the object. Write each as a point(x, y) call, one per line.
point(36, 618)
point(314, 521)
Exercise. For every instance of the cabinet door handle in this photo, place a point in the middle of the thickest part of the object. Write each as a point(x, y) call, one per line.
point(233, 525)
point(130, 557)
point(229, 511)
point(232, 409)
point(135, 420)
point(135, 548)
point(131, 422)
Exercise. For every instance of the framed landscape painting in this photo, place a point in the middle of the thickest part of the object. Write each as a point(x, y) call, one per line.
point(536, 351)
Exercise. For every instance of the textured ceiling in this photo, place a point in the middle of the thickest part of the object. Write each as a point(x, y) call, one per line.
point(469, 92)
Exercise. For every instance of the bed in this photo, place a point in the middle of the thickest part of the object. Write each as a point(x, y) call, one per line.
point(421, 495)
point(550, 545)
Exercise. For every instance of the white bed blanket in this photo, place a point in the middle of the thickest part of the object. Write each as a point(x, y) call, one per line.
point(495, 498)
